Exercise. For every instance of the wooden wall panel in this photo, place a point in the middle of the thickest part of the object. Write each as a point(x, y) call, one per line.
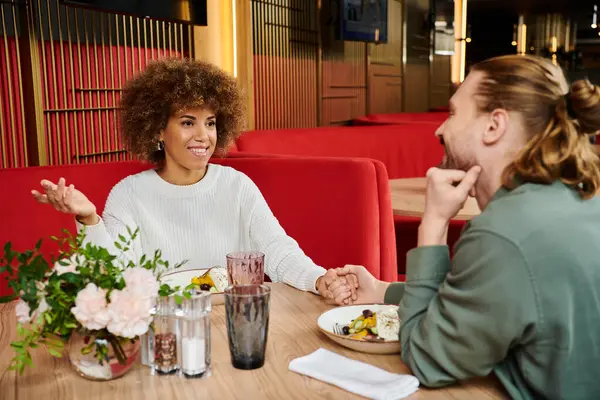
point(285, 63)
point(86, 58)
point(291, 81)
point(344, 74)
point(83, 59)
point(385, 66)
point(344, 83)
point(385, 89)
point(418, 48)
point(13, 146)
point(441, 86)
point(416, 88)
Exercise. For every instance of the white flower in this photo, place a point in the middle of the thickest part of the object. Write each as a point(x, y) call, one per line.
point(22, 311)
point(42, 307)
point(41, 286)
point(141, 282)
point(90, 307)
point(129, 313)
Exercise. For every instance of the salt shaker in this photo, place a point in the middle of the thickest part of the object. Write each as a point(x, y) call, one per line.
point(165, 336)
point(194, 338)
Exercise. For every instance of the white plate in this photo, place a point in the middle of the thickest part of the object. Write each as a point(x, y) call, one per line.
point(343, 315)
point(184, 278)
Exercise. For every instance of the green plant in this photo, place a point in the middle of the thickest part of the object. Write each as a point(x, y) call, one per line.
point(48, 296)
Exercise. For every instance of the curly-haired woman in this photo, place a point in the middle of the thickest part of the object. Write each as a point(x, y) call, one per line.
point(176, 114)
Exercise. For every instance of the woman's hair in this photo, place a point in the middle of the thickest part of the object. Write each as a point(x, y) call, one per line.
point(558, 125)
point(171, 85)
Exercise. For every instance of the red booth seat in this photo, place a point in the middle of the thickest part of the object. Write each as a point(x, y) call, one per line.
point(405, 150)
point(331, 206)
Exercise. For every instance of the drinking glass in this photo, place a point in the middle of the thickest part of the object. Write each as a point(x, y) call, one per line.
point(246, 268)
point(247, 314)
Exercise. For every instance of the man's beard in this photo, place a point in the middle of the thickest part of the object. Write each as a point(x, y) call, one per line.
point(448, 162)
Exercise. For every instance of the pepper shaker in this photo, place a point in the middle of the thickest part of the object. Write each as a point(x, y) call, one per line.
point(165, 359)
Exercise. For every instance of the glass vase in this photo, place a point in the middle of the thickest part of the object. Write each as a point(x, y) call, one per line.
point(117, 355)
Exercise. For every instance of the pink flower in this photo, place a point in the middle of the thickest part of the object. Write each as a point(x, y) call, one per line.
point(22, 310)
point(72, 263)
point(90, 307)
point(129, 313)
point(141, 282)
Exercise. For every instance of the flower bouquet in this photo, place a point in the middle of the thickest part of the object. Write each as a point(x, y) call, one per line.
point(97, 302)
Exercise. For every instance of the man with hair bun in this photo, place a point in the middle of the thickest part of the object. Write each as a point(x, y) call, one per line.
point(521, 296)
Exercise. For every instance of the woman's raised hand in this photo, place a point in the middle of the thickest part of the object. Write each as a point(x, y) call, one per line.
point(66, 199)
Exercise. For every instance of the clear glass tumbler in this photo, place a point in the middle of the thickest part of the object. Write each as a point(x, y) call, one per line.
point(247, 314)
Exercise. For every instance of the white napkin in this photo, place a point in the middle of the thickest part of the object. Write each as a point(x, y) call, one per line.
point(354, 376)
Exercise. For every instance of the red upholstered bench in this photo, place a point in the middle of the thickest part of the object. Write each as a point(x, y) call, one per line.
point(331, 206)
point(407, 151)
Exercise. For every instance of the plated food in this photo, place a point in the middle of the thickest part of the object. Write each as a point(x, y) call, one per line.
point(213, 280)
point(373, 325)
point(369, 328)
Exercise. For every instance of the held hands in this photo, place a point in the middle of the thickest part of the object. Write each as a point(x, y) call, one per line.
point(67, 200)
point(352, 284)
point(339, 289)
point(370, 290)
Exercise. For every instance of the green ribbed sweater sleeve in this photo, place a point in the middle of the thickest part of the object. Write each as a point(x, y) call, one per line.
point(459, 320)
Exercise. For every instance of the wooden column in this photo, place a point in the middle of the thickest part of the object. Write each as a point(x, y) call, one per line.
point(227, 43)
point(460, 46)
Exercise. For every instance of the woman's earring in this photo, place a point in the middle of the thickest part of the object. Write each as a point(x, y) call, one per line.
point(161, 145)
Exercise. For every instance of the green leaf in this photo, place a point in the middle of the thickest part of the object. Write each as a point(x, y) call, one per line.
point(17, 345)
point(7, 248)
point(55, 353)
point(178, 299)
point(38, 244)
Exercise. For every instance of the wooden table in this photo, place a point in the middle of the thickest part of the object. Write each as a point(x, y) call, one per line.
point(408, 199)
point(292, 334)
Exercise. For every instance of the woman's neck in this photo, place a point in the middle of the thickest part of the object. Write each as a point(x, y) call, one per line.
point(181, 176)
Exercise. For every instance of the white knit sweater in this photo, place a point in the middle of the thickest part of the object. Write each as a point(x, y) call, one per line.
point(222, 213)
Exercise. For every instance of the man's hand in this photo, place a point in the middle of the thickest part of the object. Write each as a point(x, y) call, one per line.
point(447, 192)
point(445, 197)
point(337, 288)
point(370, 290)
